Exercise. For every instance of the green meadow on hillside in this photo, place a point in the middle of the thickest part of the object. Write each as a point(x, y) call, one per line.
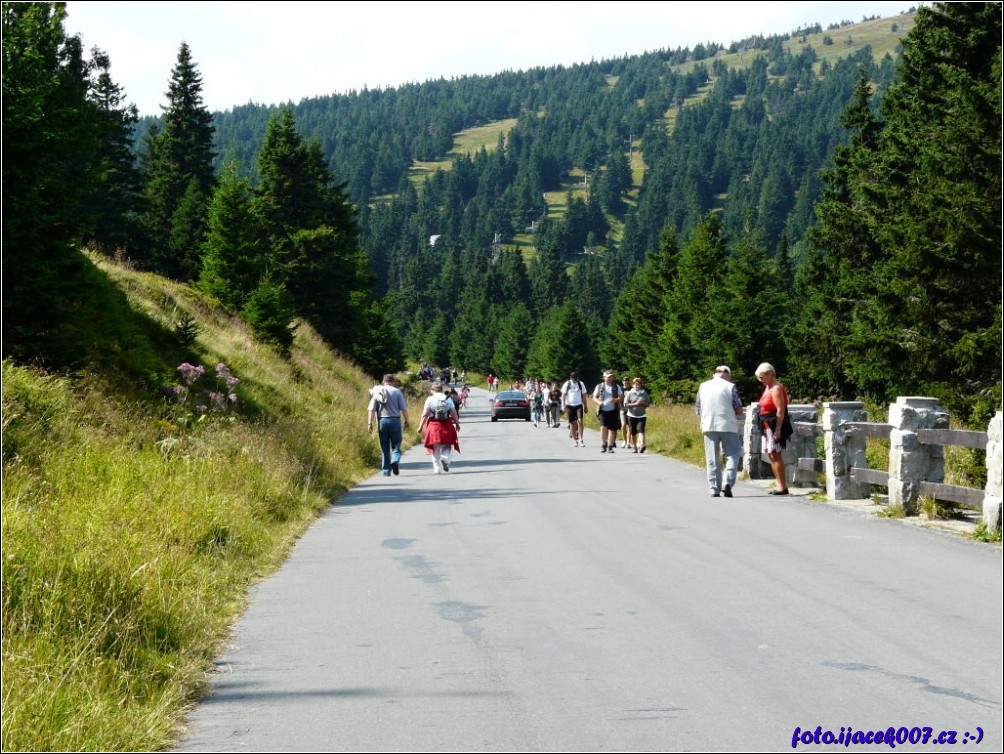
point(136, 515)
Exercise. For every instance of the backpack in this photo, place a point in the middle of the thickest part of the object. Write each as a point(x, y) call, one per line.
point(440, 411)
point(380, 396)
point(618, 391)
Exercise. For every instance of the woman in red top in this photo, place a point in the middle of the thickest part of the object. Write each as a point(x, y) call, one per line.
point(773, 403)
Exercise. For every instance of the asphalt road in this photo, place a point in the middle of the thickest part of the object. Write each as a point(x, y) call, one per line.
point(542, 597)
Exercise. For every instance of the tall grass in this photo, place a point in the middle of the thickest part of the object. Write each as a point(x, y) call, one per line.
point(132, 528)
point(672, 429)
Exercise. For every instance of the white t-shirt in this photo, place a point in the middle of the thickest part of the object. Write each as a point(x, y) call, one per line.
point(573, 392)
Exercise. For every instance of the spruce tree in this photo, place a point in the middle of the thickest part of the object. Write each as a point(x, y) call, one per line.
point(747, 314)
point(114, 206)
point(936, 211)
point(179, 166)
point(512, 335)
point(312, 247)
point(835, 278)
point(908, 244)
point(700, 267)
point(233, 259)
point(50, 144)
point(639, 313)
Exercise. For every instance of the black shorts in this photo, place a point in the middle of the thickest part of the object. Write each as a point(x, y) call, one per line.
point(610, 419)
point(637, 424)
point(574, 412)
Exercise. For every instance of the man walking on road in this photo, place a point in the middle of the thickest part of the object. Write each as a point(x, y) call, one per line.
point(719, 406)
point(609, 396)
point(388, 407)
point(573, 401)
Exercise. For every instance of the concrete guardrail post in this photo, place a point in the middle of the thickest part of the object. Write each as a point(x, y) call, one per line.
point(911, 462)
point(752, 460)
point(844, 450)
point(994, 493)
point(800, 447)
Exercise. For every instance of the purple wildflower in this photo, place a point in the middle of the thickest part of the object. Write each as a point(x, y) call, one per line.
point(191, 373)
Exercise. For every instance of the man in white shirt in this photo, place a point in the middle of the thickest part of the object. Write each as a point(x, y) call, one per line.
point(719, 406)
point(573, 403)
point(609, 396)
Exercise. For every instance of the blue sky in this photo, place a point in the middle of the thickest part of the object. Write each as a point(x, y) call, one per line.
point(269, 53)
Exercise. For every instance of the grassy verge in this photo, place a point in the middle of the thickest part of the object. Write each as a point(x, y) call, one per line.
point(672, 430)
point(134, 522)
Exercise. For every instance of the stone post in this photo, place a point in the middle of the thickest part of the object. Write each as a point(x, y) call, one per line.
point(800, 447)
point(752, 460)
point(910, 462)
point(994, 494)
point(844, 450)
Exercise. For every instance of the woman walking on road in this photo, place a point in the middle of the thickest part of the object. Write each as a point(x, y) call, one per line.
point(441, 422)
point(636, 401)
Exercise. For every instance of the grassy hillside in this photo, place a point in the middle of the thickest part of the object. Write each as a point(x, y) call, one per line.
point(468, 141)
point(135, 516)
point(883, 35)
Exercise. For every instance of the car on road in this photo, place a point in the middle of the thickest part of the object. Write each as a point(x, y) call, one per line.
point(511, 404)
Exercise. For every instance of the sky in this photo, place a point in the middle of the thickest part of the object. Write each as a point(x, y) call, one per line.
point(272, 53)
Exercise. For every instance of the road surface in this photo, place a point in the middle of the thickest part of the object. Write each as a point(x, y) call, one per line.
point(542, 597)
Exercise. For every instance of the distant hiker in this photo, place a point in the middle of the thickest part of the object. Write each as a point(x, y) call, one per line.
point(440, 422)
point(573, 402)
point(625, 426)
point(719, 406)
point(608, 396)
point(388, 408)
point(554, 405)
point(637, 400)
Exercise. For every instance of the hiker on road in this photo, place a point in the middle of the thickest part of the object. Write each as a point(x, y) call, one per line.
point(440, 422)
point(719, 406)
point(388, 409)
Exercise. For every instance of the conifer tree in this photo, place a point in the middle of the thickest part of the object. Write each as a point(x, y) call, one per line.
point(834, 278)
point(561, 345)
point(310, 231)
point(548, 278)
point(700, 267)
point(114, 206)
point(936, 207)
point(50, 143)
point(233, 259)
point(747, 313)
point(179, 166)
point(512, 334)
point(908, 244)
point(639, 313)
